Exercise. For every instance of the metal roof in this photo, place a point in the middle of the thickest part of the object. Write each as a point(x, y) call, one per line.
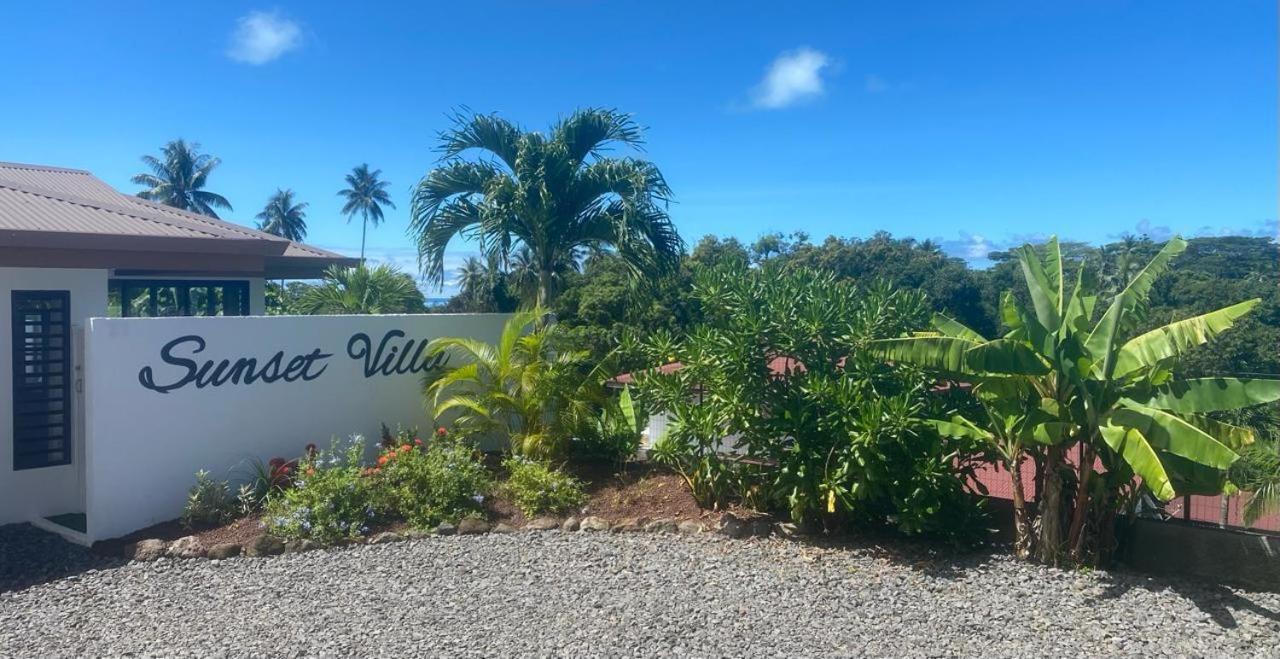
point(58, 208)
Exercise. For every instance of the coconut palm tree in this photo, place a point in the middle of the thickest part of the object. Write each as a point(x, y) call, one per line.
point(554, 193)
point(365, 195)
point(178, 178)
point(283, 217)
point(362, 289)
point(475, 281)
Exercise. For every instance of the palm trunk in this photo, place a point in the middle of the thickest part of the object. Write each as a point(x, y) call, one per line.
point(1021, 523)
point(364, 229)
point(544, 289)
point(1050, 546)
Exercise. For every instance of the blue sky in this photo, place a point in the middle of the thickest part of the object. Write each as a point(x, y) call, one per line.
point(977, 123)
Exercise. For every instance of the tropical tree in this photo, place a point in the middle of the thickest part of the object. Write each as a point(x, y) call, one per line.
point(475, 280)
point(554, 193)
point(284, 217)
point(362, 289)
point(529, 388)
point(366, 194)
point(1061, 379)
point(178, 178)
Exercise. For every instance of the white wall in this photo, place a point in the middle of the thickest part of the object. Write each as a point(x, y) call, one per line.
point(49, 490)
point(144, 445)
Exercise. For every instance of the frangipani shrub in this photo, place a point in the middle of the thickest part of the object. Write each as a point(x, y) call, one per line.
point(825, 432)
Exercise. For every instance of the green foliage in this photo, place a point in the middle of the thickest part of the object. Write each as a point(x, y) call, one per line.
point(178, 179)
point(1070, 372)
point(380, 289)
point(284, 217)
point(365, 195)
point(552, 193)
point(537, 488)
point(441, 480)
point(332, 498)
point(827, 432)
point(532, 388)
point(209, 503)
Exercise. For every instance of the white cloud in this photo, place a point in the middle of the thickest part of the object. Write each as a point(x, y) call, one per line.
point(261, 37)
point(793, 77)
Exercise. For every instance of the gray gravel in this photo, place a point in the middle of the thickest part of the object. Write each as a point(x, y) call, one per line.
point(628, 594)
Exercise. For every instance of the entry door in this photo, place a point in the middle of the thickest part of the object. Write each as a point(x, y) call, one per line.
point(41, 379)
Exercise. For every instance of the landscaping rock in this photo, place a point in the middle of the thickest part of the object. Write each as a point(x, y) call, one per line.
point(146, 550)
point(503, 527)
point(543, 524)
point(186, 547)
point(790, 530)
point(415, 534)
point(735, 527)
point(265, 545)
point(662, 526)
point(690, 527)
point(446, 529)
point(223, 551)
point(630, 525)
point(473, 526)
point(593, 523)
point(571, 524)
point(386, 537)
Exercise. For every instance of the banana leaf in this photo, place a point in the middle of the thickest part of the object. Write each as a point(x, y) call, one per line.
point(1103, 337)
point(943, 353)
point(1175, 435)
point(1005, 356)
point(1131, 445)
point(1174, 338)
point(1213, 394)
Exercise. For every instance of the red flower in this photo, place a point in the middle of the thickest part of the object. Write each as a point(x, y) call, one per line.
point(441, 431)
point(311, 471)
point(383, 460)
point(405, 448)
point(417, 441)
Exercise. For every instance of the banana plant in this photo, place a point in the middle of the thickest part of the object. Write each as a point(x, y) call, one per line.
point(1067, 374)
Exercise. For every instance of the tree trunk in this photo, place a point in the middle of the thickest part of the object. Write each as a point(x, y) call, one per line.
point(1050, 545)
point(544, 289)
point(1021, 523)
point(364, 229)
point(1077, 533)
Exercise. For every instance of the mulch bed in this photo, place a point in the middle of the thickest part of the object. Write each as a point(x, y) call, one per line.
point(636, 490)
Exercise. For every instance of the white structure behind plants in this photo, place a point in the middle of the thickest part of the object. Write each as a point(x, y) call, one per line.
point(161, 403)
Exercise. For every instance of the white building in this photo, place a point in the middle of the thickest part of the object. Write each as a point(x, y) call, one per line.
point(73, 248)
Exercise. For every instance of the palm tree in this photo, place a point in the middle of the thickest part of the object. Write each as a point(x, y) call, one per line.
point(363, 290)
point(282, 217)
point(528, 387)
point(474, 280)
point(365, 195)
point(177, 179)
point(554, 193)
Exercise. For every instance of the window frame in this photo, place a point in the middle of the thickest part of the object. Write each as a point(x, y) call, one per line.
point(182, 291)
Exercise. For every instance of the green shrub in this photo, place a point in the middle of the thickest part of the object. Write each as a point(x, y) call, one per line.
point(426, 484)
point(209, 502)
point(832, 435)
point(332, 498)
point(539, 489)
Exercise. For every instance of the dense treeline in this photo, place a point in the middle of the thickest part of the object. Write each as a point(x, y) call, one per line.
point(601, 301)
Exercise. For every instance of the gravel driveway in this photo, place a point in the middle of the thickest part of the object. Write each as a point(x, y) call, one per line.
point(628, 594)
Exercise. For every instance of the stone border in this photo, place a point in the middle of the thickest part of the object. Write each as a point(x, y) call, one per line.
point(190, 547)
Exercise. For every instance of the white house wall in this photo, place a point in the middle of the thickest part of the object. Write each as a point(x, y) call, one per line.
point(148, 431)
point(49, 490)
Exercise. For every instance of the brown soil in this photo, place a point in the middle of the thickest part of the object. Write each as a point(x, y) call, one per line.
point(638, 490)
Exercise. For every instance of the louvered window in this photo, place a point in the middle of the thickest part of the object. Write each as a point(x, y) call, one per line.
point(41, 379)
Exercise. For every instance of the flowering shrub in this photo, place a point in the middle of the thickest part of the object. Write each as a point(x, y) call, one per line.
point(427, 483)
point(539, 489)
point(209, 502)
point(331, 498)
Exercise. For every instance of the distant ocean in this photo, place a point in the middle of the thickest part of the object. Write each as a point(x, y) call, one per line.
point(436, 301)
